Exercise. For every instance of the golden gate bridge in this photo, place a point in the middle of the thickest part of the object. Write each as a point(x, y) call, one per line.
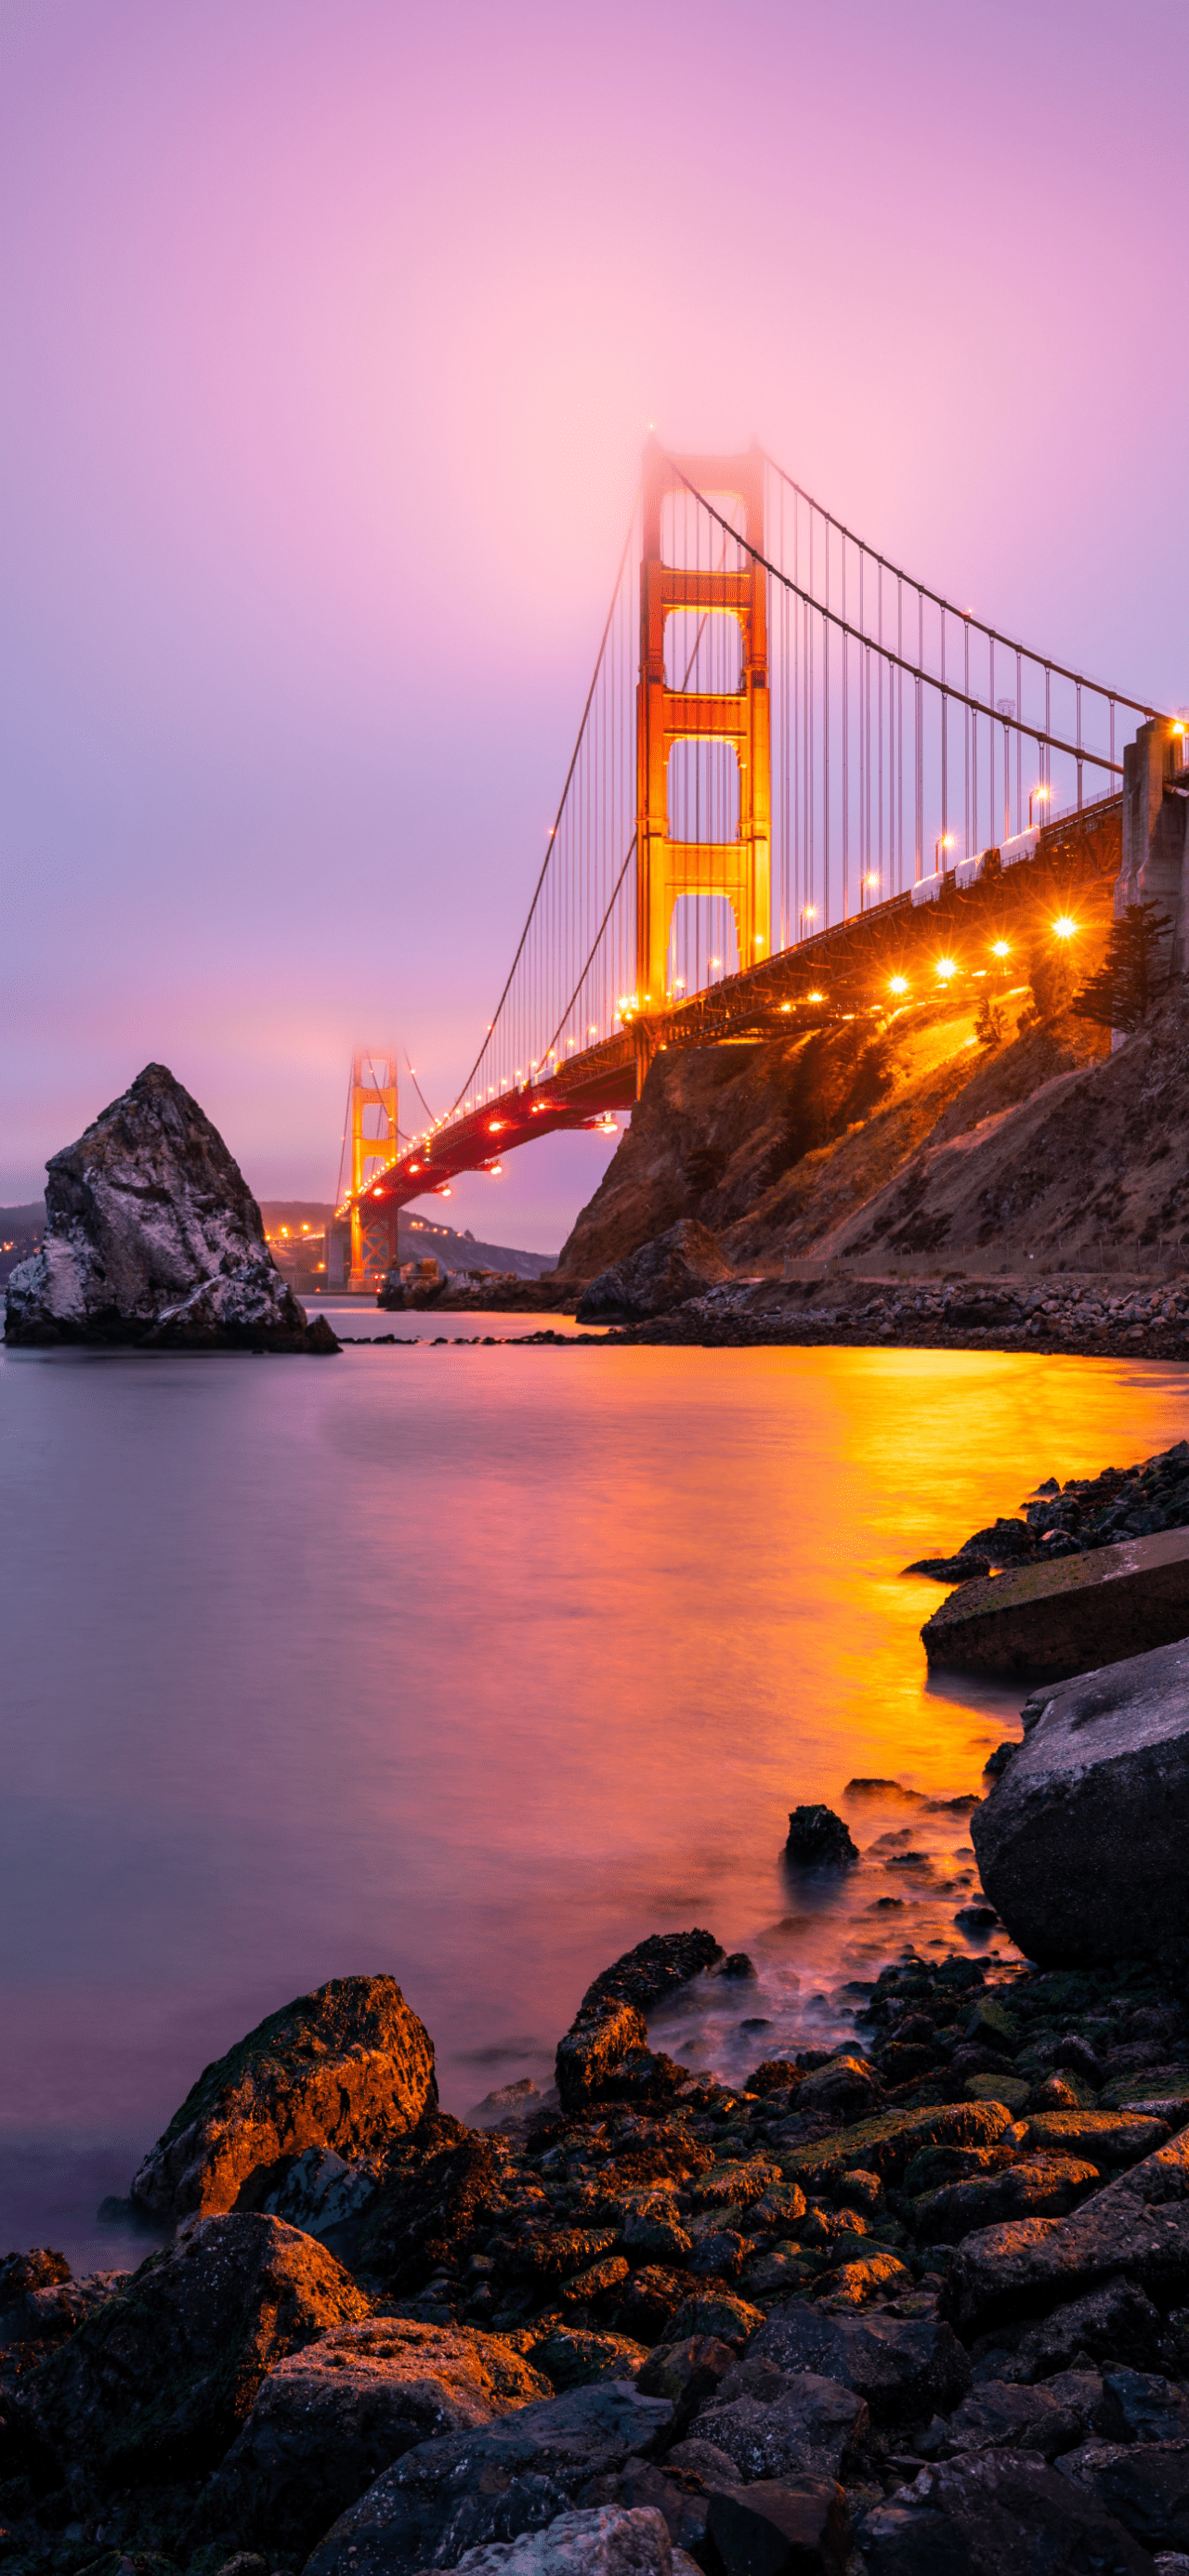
point(803, 782)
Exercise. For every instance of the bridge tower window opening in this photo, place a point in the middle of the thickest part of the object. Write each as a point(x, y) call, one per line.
point(703, 943)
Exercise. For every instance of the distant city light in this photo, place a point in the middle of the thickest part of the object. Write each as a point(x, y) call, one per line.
point(898, 984)
point(947, 966)
point(1065, 927)
point(999, 948)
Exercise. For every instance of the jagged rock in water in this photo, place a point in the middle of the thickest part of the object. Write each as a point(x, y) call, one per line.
point(153, 1237)
point(609, 2022)
point(819, 1839)
point(350, 2068)
point(676, 1265)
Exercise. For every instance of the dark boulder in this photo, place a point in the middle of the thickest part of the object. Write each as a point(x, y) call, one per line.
point(153, 1236)
point(777, 2424)
point(1081, 1842)
point(326, 2421)
point(349, 2067)
point(155, 2386)
point(902, 2366)
point(818, 1839)
point(678, 1264)
point(466, 2489)
point(790, 2527)
point(999, 2513)
point(1144, 2485)
point(437, 2185)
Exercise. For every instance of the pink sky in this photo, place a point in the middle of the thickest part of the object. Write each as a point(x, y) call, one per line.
point(331, 332)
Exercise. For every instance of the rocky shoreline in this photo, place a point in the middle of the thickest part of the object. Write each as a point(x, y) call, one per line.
point(853, 2315)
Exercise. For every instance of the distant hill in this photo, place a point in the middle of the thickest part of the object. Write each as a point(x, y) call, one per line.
point(21, 1230)
point(417, 1237)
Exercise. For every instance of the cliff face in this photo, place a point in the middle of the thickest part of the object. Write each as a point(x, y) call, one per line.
point(152, 1235)
point(902, 1133)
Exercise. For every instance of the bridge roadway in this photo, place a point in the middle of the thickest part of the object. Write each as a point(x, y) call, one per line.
point(829, 977)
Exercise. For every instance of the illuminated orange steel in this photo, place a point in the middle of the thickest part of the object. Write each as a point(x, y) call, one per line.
point(373, 1088)
point(665, 869)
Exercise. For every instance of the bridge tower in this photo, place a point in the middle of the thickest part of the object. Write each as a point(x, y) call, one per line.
point(374, 1145)
point(666, 868)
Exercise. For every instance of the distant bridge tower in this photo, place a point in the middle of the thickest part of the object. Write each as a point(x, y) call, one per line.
point(666, 868)
point(374, 1145)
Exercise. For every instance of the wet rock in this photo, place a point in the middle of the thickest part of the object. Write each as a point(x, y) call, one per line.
point(678, 2498)
point(1137, 2226)
point(776, 2424)
point(818, 1839)
point(653, 2229)
point(738, 1966)
point(885, 2144)
point(348, 2068)
point(570, 2357)
point(152, 1235)
point(1080, 1844)
point(466, 2490)
point(686, 2373)
point(1003, 2415)
point(676, 1265)
point(902, 2367)
point(1037, 2187)
point(798, 2527)
point(996, 2514)
point(321, 2192)
point(328, 2419)
point(718, 2314)
point(1109, 2137)
point(435, 2192)
point(1146, 2486)
point(606, 2540)
point(650, 2301)
point(855, 2283)
point(846, 2087)
point(775, 2075)
point(951, 1569)
point(720, 2253)
point(1141, 2406)
point(156, 2384)
point(1117, 2324)
point(40, 2300)
point(608, 2028)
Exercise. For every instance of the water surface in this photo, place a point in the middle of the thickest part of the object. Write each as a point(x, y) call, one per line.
point(475, 1665)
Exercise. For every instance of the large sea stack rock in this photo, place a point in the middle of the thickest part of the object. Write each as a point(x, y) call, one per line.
point(349, 2067)
point(1081, 1843)
point(152, 1236)
point(675, 1266)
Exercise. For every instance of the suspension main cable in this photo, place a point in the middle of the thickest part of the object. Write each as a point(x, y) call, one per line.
point(944, 687)
point(557, 818)
point(593, 950)
point(1044, 661)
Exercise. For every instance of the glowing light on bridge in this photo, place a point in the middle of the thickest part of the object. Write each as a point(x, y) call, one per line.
point(816, 997)
point(946, 967)
point(1000, 948)
point(1065, 927)
point(897, 983)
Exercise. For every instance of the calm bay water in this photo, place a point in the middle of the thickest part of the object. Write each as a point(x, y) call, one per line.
point(475, 1665)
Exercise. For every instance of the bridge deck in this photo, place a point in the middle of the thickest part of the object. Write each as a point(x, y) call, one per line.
point(834, 975)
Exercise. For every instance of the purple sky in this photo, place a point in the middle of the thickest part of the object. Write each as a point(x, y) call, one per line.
point(332, 330)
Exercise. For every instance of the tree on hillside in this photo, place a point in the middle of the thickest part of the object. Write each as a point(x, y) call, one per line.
point(1133, 974)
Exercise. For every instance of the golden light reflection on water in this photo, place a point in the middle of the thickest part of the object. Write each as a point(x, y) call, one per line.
point(480, 1665)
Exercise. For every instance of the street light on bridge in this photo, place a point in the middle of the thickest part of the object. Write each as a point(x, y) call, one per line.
point(1037, 796)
